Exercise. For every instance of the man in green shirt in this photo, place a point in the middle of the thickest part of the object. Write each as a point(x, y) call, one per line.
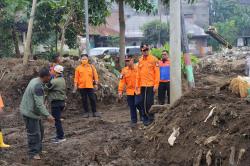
point(57, 95)
point(33, 109)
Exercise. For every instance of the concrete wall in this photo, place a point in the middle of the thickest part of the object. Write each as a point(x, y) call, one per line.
point(199, 12)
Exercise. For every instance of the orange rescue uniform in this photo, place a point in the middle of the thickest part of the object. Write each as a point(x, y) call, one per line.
point(128, 79)
point(1, 102)
point(148, 74)
point(85, 75)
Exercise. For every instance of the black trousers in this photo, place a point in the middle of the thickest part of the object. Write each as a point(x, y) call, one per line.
point(88, 93)
point(147, 94)
point(164, 88)
point(56, 110)
point(35, 133)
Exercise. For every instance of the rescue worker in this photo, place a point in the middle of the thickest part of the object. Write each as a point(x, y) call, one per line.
point(164, 85)
point(2, 144)
point(128, 80)
point(86, 81)
point(56, 96)
point(147, 80)
point(33, 109)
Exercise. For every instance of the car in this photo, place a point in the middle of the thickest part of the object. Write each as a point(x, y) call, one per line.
point(133, 50)
point(99, 51)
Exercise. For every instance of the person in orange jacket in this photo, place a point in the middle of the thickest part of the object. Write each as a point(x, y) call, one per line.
point(147, 80)
point(2, 144)
point(86, 80)
point(128, 80)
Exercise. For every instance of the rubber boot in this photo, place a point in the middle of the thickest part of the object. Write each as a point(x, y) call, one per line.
point(2, 144)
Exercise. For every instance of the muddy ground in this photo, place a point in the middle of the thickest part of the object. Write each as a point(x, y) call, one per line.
point(110, 140)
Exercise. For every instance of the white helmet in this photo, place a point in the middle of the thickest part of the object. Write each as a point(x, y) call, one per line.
point(59, 69)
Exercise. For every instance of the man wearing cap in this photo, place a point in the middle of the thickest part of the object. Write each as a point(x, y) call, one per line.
point(128, 80)
point(147, 80)
point(56, 96)
point(164, 78)
point(32, 108)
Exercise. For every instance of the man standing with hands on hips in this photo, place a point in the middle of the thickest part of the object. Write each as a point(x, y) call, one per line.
point(147, 79)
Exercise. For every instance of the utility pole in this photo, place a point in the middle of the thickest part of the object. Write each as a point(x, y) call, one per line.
point(185, 49)
point(175, 51)
point(86, 6)
point(160, 14)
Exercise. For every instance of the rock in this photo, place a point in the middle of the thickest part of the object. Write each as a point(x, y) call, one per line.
point(212, 139)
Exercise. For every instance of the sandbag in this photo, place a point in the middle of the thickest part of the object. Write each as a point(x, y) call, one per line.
point(240, 86)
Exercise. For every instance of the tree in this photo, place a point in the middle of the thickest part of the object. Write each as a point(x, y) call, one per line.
point(151, 32)
point(63, 20)
point(10, 19)
point(27, 51)
point(138, 5)
point(231, 20)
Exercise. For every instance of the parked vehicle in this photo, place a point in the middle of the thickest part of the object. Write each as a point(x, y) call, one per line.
point(99, 51)
point(132, 50)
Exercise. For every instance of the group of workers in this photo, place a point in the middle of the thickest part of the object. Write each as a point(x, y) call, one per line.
point(141, 81)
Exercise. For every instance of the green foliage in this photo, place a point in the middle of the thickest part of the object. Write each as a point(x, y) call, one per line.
point(228, 30)
point(158, 51)
point(231, 20)
point(152, 30)
point(194, 60)
point(8, 22)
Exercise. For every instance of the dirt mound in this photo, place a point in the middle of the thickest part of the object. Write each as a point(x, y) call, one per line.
point(14, 78)
point(225, 133)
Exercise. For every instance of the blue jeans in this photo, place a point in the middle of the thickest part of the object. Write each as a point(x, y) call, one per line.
point(56, 110)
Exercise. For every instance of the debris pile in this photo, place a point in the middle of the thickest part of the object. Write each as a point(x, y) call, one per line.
point(203, 126)
point(14, 77)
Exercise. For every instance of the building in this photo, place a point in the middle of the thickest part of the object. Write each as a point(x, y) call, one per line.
point(196, 18)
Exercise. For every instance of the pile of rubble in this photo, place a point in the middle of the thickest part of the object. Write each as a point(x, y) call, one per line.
point(224, 61)
point(207, 126)
point(14, 77)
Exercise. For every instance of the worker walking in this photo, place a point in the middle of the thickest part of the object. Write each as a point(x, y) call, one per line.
point(147, 79)
point(164, 85)
point(33, 109)
point(57, 95)
point(2, 144)
point(86, 81)
point(128, 80)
